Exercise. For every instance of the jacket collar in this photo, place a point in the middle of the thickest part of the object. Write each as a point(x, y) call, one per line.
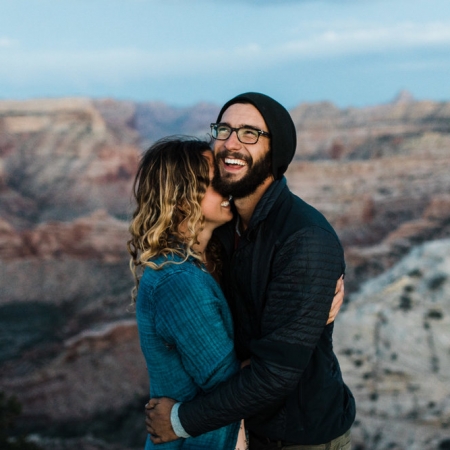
point(266, 202)
point(226, 233)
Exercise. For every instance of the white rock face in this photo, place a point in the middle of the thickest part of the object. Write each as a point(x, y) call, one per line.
point(393, 344)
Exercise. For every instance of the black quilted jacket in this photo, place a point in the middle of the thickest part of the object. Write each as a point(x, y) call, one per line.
point(280, 283)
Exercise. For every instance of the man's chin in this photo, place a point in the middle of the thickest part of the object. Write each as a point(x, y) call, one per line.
point(233, 173)
point(243, 183)
point(236, 188)
point(232, 177)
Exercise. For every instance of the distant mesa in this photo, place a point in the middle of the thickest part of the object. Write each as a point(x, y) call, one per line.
point(403, 97)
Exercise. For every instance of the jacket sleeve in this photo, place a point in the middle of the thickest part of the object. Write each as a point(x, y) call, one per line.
point(298, 299)
point(191, 318)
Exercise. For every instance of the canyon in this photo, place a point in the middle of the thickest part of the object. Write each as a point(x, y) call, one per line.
point(69, 346)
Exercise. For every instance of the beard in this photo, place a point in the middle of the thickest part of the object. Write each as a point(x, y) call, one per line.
point(257, 173)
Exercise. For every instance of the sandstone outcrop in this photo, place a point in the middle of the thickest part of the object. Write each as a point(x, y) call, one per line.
point(98, 372)
point(98, 236)
point(381, 206)
point(325, 131)
point(60, 160)
point(154, 120)
point(393, 343)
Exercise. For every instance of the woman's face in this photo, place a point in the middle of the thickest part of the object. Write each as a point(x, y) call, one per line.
point(215, 208)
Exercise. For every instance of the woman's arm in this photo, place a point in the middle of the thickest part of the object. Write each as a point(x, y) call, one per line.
point(195, 320)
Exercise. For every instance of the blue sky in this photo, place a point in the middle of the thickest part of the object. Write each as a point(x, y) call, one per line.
point(349, 52)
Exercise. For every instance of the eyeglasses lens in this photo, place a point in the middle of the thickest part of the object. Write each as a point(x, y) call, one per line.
point(244, 134)
point(247, 135)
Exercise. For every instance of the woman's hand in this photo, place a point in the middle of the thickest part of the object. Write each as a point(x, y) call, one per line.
point(157, 420)
point(245, 363)
point(338, 300)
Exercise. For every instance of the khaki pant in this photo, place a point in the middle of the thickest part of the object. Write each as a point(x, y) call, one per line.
point(340, 443)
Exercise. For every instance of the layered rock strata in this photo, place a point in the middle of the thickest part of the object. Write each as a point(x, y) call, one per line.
point(69, 347)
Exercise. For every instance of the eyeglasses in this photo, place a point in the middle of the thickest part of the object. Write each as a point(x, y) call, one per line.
point(246, 135)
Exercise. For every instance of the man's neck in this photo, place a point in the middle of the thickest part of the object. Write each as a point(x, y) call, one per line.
point(246, 206)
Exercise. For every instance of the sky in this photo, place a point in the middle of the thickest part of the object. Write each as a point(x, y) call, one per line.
point(352, 53)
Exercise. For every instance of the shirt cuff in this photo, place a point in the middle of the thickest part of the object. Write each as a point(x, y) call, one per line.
point(176, 424)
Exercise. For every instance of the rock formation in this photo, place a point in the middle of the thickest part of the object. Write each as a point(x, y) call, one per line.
point(60, 160)
point(393, 343)
point(69, 344)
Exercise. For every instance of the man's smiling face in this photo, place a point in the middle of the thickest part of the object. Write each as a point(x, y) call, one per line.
point(241, 168)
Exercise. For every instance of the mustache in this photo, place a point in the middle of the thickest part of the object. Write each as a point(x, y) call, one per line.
point(229, 154)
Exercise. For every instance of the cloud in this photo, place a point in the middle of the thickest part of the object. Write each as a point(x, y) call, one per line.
point(122, 65)
point(281, 2)
point(350, 41)
point(7, 42)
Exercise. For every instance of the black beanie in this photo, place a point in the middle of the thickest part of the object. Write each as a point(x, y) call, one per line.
point(280, 125)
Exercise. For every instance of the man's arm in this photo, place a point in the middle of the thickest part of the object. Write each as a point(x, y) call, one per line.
point(299, 297)
point(159, 411)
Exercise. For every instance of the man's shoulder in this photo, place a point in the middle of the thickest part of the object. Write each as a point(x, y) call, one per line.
point(291, 213)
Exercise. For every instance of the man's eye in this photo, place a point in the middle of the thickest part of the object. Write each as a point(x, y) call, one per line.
point(249, 132)
point(223, 130)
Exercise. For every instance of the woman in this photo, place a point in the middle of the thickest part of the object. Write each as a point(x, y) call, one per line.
point(185, 327)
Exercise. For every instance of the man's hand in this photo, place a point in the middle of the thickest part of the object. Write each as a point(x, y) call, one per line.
point(157, 420)
point(337, 300)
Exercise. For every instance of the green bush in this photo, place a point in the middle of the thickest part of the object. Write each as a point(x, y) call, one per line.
point(10, 410)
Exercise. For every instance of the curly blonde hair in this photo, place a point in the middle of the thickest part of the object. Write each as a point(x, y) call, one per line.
point(169, 186)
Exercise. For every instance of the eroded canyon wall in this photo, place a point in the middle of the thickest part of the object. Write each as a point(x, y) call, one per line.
point(69, 344)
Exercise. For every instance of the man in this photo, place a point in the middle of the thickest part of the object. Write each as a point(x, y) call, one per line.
point(280, 264)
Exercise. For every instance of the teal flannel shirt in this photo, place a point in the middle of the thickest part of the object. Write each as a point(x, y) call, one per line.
point(186, 336)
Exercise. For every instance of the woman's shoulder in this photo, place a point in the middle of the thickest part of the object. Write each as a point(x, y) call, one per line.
point(175, 269)
point(179, 286)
